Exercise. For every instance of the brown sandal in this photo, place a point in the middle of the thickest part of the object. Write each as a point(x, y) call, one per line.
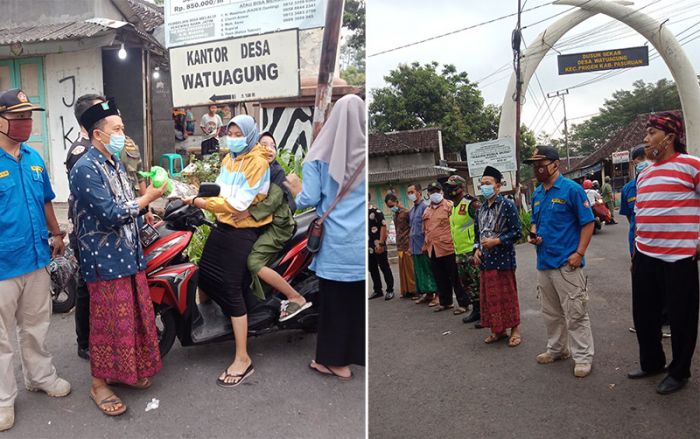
point(493, 338)
point(142, 384)
point(111, 400)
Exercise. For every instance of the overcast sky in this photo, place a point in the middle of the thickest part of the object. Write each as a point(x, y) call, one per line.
point(483, 50)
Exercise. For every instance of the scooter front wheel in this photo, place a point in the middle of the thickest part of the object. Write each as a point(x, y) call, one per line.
point(165, 328)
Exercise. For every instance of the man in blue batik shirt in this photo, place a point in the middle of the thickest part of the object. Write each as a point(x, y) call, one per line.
point(27, 224)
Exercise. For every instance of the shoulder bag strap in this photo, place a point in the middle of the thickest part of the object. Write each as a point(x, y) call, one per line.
point(344, 190)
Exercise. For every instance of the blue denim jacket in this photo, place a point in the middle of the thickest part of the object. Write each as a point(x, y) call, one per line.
point(106, 215)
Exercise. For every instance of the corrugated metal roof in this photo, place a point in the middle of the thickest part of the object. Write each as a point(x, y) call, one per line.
point(151, 15)
point(409, 174)
point(51, 32)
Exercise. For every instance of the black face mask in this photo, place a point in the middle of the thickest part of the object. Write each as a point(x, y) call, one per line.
point(455, 193)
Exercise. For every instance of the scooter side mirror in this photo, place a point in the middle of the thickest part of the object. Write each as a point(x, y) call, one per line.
point(209, 190)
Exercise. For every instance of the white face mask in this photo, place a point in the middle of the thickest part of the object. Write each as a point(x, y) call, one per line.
point(412, 197)
point(436, 198)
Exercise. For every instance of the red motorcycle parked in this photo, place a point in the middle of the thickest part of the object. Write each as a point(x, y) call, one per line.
point(172, 280)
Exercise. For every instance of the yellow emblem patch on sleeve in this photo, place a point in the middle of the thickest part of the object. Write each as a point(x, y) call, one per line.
point(4, 174)
point(537, 203)
point(37, 169)
point(630, 199)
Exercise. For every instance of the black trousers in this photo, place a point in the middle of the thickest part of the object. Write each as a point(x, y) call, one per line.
point(380, 262)
point(341, 325)
point(223, 269)
point(82, 302)
point(447, 279)
point(654, 280)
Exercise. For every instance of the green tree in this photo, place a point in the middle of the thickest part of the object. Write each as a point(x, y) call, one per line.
point(419, 96)
point(352, 53)
point(620, 110)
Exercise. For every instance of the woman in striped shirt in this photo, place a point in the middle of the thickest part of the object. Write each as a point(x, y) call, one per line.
point(666, 246)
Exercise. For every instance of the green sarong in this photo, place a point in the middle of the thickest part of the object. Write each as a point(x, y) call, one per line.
point(425, 282)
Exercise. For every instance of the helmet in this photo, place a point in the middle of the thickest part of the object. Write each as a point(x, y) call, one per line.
point(587, 184)
point(63, 271)
point(596, 184)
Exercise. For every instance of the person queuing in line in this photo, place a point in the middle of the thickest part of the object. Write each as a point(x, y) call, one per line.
point(462, 229)
point(441, 250)
point(378, 258)
point(403, 230)
point(335, 165)
point(667, 216)
point(223, 274)
point(112, 262)
point(210, 123)
point(27, 213)
point(425, 281)
point(562, 226)
point(627, 202)
point(609, 199)
point(497, 231)
point(278, 203)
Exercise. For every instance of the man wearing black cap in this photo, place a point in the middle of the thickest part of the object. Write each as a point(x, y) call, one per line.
point(112, 261)
point(462, 228)
point(27, 224)
point(497, 231)
point(562, 226)
point(441, 250)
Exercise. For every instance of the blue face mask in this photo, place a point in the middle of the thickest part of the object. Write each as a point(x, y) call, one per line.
point(116, 143)
point(641, 166)
point(436, 198)
point(236, 144)
point(487, 190)
point(395, 209)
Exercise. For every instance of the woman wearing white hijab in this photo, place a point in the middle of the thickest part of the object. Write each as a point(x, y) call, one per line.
point(331, 163)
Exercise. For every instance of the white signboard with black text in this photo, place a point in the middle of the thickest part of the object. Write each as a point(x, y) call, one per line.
point(242, 69)
point(499, 153)
point(198, 21)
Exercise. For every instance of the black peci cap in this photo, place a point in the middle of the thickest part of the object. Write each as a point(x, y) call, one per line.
point(543, 152)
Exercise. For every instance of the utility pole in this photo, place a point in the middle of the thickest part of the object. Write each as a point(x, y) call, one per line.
point(516, 39)
point(326, 70)
point(562, 94)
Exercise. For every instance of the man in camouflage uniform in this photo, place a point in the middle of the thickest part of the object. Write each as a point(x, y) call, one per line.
point(462, 228)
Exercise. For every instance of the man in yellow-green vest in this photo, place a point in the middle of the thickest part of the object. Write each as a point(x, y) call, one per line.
point(462, 228)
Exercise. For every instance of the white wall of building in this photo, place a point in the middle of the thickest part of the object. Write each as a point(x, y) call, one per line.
point(67, 76)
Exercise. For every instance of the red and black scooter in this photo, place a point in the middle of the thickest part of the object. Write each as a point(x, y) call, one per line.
point(172, 280)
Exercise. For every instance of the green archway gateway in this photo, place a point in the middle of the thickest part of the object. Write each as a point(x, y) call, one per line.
point(659, 36)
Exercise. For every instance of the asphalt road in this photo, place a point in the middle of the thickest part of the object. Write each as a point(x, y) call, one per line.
point(432, 376)
point(284, 398)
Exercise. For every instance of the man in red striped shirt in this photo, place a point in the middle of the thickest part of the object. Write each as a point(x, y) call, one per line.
point(666, 247)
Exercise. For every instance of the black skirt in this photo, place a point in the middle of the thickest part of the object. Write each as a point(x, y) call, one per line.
point(223, 273)
point(341, 328)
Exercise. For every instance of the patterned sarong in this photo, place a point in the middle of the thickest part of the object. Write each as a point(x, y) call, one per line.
point(123, 339)
point(406, 274)
point(500, 309)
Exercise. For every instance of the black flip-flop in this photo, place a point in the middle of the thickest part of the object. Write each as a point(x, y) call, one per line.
point(333, 374)
point(222, 383)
